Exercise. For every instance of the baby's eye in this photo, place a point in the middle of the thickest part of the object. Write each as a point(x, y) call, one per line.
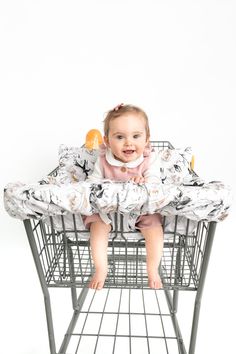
point(136, 136)
point(119, 137)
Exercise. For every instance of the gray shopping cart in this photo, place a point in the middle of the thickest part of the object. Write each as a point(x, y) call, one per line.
point(126, 315)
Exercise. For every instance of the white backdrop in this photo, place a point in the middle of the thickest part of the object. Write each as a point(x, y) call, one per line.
point(63, 64)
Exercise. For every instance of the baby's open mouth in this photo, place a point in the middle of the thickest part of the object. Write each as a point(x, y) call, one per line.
point(128, 152)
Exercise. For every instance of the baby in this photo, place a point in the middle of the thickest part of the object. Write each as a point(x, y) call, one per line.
point(127, 157)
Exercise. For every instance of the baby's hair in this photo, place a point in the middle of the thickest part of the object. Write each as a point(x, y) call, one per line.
point(123, 109)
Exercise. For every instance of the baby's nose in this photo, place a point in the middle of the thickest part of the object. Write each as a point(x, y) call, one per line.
point(128, 141)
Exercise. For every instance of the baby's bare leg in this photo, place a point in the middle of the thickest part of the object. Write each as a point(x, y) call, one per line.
point(99, 232)
point(154, 247)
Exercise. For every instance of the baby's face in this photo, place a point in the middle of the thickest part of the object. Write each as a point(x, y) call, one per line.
point(127, 137)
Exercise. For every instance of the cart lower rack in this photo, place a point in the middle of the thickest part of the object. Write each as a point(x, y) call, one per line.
point(120, 317)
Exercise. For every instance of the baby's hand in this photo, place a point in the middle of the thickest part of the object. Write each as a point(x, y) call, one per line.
point(138, 179)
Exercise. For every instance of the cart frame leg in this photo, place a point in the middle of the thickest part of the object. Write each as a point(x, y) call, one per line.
point(47, 301)
point(197, 306)
point(172, 300)
point(74, 319)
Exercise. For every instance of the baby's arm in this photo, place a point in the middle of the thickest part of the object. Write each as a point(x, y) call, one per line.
point(152, 174)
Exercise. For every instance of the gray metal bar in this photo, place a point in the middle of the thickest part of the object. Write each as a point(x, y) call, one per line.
point(126, 254)
point(69, 253)
point(46, 294)
point(100, 325)
point(175, 300)
point(85, 320)
point(74, 319)
point(145, 318)
point(72, 277)
point(169, 299)
point(129, 336)
point(117, 321)
point(209, 242)
point(175, 323)
point(162, 324)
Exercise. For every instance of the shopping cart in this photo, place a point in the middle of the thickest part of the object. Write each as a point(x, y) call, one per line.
point(126, 315)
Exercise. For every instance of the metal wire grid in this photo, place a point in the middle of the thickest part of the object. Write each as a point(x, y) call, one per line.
point(183, 256)
point(53, 251)
point(65, 262)
point(160, 145)
point(125, 320)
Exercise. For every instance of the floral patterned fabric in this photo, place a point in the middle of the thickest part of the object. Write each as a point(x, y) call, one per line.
point(66, 192)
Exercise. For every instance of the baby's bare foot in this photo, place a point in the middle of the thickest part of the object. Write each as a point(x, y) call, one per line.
point(154, 281)
point(98, 279)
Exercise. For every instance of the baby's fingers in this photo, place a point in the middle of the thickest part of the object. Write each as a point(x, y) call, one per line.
point(138, 179)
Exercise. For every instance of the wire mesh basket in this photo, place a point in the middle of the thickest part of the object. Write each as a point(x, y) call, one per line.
point(65, 259)
point(107, 320)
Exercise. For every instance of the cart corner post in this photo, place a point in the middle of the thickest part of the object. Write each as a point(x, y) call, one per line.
point(197, 305)
point(47, 302)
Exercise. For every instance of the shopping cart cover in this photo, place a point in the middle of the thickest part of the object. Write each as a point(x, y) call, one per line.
point(179, 192)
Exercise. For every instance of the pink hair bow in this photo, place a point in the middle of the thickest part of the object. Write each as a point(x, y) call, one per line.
point(118, 107)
